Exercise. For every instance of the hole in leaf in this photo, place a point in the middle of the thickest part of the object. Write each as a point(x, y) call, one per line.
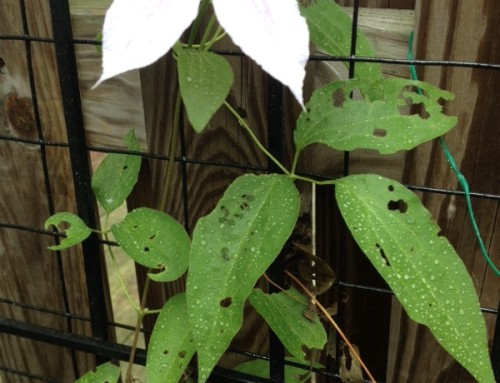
point(146, 249)
point(440, 233)
point(338, 98)
point(382, 254)
point(165, 352)
point(125, 167)
point(226, 302)
point(391, 188)
point(357, 95)
point(377, 132)
point(400, 205)
point(182, 354)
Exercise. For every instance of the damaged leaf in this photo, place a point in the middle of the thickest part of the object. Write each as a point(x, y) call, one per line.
point(171, 346)
point(350, 369)
point(154, 239)
point(75, 233)
point(231, 249)
point(285, 314)
point(403, 242)
point(374, 117)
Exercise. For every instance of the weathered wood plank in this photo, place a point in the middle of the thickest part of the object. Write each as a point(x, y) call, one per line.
point(32, 273)
point(449, 30)
point(115, 107)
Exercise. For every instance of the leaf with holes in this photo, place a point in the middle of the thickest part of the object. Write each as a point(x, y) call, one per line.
point(260, 368)
point(171, 346)
point(154, 239)
point(402, 241)
point(285, 313)
point(105, 373)
point(205, 79)
point(373, 118)
point(116, 176)
point(331, 28)
point(231, 249)
point(75, 233)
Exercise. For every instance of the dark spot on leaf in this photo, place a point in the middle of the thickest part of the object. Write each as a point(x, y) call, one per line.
point(226, 302)
point(440, 233)
point(153, 236)
point(222, 219)
point(239, 215)
point(182, 354)
point(379, 132)
point(400, 205)
point(146, 249)
point(125, 167)
point(382, 254)
point(338, 98)
point(391, 188)
point(308, 110)
point(225, 254)
point(165, 352)
point(135, 226)
point(244, 205)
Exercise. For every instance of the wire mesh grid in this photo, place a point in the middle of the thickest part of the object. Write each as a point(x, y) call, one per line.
point(100, 343)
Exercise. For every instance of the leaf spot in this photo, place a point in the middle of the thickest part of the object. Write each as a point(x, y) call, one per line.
point(226, 302)
point(146, 249)
point(225, 254)
point(400, 205)
point(165, 352)
point(391, 188)
point(377, 132)
point(182, 354)
point(382, 254)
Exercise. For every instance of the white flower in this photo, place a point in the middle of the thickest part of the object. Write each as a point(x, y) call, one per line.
point(272, 32)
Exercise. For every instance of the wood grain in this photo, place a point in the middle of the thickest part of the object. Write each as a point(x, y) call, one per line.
point(31, 274)
point(449, 30)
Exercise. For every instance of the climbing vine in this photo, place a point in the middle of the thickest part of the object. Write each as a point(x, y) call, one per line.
point(231, 247)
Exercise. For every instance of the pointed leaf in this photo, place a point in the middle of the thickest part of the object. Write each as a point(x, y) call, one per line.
point(285, 313)
point(272, 33)
point(231, 249)
point(75, 233)
point(402, 241)
point(331, 28)
point(137, 33)
point(205, 79)
point(105, 373)
point(375, 121)
point(115, 177)
point(154, 239)
point(171, 346)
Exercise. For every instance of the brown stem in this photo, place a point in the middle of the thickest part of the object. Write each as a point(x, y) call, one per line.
point(334, 324)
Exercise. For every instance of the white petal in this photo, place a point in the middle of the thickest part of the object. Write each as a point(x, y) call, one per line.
point(136, 33)
point(273, 33)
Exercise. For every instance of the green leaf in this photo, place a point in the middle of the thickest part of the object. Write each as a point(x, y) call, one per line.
point(373, 119)
point(75, 233)
point(116, 176)
point(154, 239)
point(171, 346)
point(105, 373)
point(205, 79)
point(231, 249)
point(284, 312)
point(260, 368)
point(402, 241)
point(330, 29)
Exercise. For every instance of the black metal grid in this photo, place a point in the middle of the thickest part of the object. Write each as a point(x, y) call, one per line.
point(100, 345)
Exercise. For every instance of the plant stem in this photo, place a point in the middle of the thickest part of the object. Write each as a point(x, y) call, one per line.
point(140, 316)
point(171, 153)
point(245, 126)
point(208, 29)
point(334, 324)
point(196, 25)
